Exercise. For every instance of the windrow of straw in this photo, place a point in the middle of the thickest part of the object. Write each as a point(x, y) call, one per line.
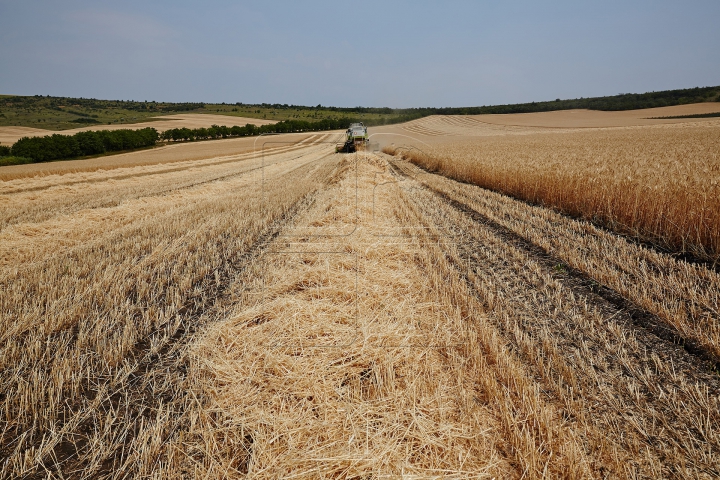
point(27, 176)
point(362, 354)
point(34, 202)
point(660, 185)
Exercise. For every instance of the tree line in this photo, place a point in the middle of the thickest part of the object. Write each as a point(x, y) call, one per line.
point(623, 101)
point(60, 147)
point(285, 126)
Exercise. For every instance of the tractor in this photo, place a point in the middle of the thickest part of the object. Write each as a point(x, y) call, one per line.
point(356, 137)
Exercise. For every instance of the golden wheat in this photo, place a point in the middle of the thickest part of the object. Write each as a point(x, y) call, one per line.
point(660, 185)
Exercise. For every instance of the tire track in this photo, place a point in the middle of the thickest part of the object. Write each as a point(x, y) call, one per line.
point(114, 202)
point(587, 286)
point(611, 366)
point(681, 291)
point(273, 151)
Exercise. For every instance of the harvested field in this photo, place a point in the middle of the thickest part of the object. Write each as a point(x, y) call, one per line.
point(317, 315)
point(176, 152)
point(10, 135)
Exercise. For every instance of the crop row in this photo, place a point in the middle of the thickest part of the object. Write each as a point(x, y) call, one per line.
point(660, 186)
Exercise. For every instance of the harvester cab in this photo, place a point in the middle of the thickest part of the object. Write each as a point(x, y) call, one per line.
point(356, 137)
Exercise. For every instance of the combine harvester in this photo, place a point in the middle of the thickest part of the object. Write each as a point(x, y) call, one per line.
point(356, 138)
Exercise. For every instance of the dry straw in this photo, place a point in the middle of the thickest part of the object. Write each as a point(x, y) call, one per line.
point(170, 328)
point(376, 400)
point(90, 298)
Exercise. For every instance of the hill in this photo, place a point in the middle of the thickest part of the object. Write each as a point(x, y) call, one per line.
point(64, 113)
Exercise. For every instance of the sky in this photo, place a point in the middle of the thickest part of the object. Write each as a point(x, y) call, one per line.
point(356, 53)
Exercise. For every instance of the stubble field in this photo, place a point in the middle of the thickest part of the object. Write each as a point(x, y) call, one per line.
point(296, 313)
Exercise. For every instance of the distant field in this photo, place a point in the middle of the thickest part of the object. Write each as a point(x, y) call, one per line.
point(9, 135)
point(592, 118)
point(60, 113)
point(63, 113)
point(561, 120)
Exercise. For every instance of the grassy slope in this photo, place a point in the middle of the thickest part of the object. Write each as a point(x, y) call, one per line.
point(61, 113)
point(58, 113)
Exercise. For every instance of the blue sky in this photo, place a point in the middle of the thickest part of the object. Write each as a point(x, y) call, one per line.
point(369, 53)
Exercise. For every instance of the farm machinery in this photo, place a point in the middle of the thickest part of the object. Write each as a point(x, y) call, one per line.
point(356, 137)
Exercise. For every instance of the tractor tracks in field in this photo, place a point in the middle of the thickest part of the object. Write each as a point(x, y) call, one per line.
point(184, 165)
point(116, 202)
point(589, 288)
point(229, 175)
point(154, 372)
point(621, 376)
point(583, 283)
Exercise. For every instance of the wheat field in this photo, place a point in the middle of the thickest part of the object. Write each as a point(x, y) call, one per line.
point(222, 310)
point(658, 184)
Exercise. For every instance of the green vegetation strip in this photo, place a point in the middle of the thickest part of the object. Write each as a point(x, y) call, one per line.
point(7, 161)
point(61, 147)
